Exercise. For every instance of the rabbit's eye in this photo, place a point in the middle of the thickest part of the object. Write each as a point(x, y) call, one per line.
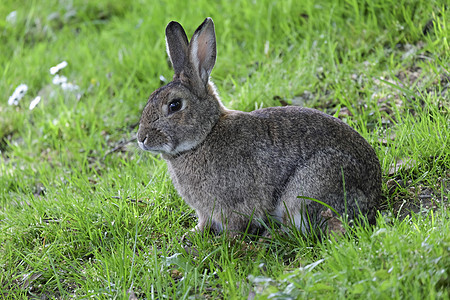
point(175, 105)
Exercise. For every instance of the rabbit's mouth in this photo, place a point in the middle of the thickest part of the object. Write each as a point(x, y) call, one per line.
point(144, 145)
point(167, 148)
point(158, 142)
point(153, 140)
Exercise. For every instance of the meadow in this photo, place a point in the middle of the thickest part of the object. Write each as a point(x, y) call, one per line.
point(85, 214)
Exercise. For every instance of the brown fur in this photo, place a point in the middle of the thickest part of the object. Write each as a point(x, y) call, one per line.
point(230, 165)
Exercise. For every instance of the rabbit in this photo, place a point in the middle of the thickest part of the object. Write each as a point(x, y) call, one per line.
point(237, 169)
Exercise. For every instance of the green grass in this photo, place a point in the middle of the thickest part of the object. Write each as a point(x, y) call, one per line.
point(81, 217)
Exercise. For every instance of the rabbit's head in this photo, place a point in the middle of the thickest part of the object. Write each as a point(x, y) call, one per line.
point(180, 115)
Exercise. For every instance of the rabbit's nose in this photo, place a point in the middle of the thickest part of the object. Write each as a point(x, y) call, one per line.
point(141, 137)
point(141, 143)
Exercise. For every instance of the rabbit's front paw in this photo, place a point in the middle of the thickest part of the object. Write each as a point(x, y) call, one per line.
point(201, 225)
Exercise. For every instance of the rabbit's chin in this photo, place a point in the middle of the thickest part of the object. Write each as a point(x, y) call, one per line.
point(155, 150)
point(169, 149)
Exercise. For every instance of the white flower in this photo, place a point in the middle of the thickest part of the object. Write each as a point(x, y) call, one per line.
point(12, 17)
point(67, 86)
point(59, 79)
point(35, 102)
point(18, 94)
point(58, 67)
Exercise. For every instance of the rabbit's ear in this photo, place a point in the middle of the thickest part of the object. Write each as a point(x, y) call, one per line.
point(177, 46)
point(202, 50)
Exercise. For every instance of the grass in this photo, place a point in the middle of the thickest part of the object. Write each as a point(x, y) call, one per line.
point(85, 214)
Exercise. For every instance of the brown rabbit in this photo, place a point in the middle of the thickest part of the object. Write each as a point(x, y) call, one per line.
point(237, 167)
